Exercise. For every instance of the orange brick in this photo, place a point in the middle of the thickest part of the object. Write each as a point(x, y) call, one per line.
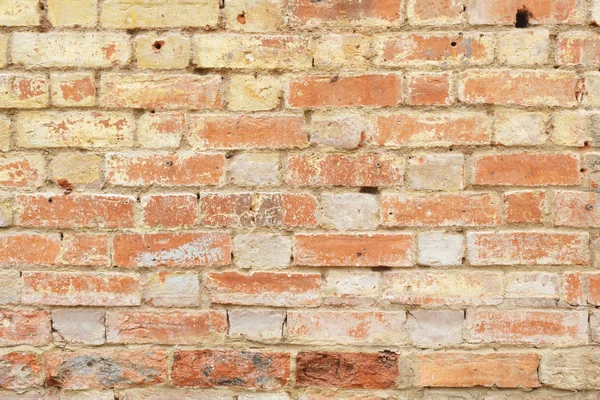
point(29, 248)
point(491, 12)
point(522, 207)
point(308, 12)
point(578, 48)
point(170, 211)
point(20, 371)
point(435, 12)
point(578, 209)
point(20, 90)
point(25, 327)
point(21, 170)
point(429, 89)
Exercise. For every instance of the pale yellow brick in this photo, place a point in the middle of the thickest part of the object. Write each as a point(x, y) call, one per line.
point(19, 12)
point(346, 52)
point(167, 51)
point(6, 215)
point(524, 48)
point(4, 133)
point(520, 128)
point(575, 128)
point(3, 50)
point(73, 89)
point(254, 93)
point(72, 12)
point(22, 90)
point(254, 15)
point(77, 169)
point(159, 13)
point(161, 130)
point(592, 87)
point(66, 49)
point(596, 11)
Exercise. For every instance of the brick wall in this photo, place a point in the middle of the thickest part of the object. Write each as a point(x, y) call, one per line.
point(299, 199)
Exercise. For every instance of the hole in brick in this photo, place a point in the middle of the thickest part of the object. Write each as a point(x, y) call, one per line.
point(381, 269)
point(522, 19)
point(241, 18)
point(369, 190)
point(587, 143)
point(158, 44)
point(453, 44)
point(583, 170)
point(589, 207)
point(378, 165)
point(169, 163)
point(50, 200)
point(359, 255)
point(593, 24)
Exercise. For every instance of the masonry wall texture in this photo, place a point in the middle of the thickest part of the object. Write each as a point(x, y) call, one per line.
point(299, 199)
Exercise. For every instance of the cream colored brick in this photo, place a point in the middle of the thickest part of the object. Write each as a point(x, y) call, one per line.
point(3, 50)
point(524, 48)
point(436, 172)
point(5, 133)
point(171, 289)
point(72, 12)
point(10, 287)
point(168, 51)
point(520, 128)
point(596, 11)
point(78, 169)
point(337, 131)
point(256, 325)
point(254, 93)
point(73, 89)
point(592, 87)
point(351, 287)
point(161, 130)
point(441, 249)
point(254, 15)
point(255, 169)
point(66, 49)
point(262, 251)
point(575, 128)
point(6, 219)
point(349, 211)
point(21, 90)
point(345, 52)
point(19, 12)
point(159, 13)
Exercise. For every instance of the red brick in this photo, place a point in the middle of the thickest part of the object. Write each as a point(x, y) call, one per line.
point(80, 288)
point(367, 169)
point(334, 91)
point(578, 209)
point(504, 370)
point(527, 169)
point(347, 370)
point(160, 92)
point(165, 327)
point(164, 169)
point(25, 327)
point(378, 11)
point(465, 209)
point(170, 211)
point(492, 12)
point(106, 369)
point(84, 249)
point(582, 288)
point(522, 88)
point(247, 131)
point(522, 207)
point(578, 48)
point(429, 89)
point(428, 129)
point(208, 368)
point(20, 370)
point(365, 250)
point(21, 170)
point(29, 249)
point(172, 249)
point(435, 12)
point(528, 248)
point(265, 288)
point(260, 209)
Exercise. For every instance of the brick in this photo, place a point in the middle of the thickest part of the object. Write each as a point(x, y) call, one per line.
point(260, 209)
point(387, 12)
point(255, 169)
point(172, 249)
point(264, 326)
point(63, 49)
point(464, 209)
point(10, 287)
point(23, 248)
point(79, 326)
point(345, 328)
point(347, 370)
point(80, 289)
point(443, 288)
point(106, 369)
point(85, 249)
point(246, 132)
point(572, 369)
point(440, 249)
point(21, 90)
point(167, 51)
point(254, 16)
point(349, 91)
point(25, 327)
point(348, 287)
point(254, 93)
point(86, 129)
point(19, 13)
point(130, 14)
point(362, 169)
point(77, 171)
point(75, 211)
point(164, 169)
point(429, 129)
point(525, 49)
point(167, 91)
point(6, 211)
point(589, 92)
point(359, 250)
point(504, 370)
point(578, 209)
point(20, 371)
point(262, 250)
point(349, 211)
point(264, 288)
point(532, 289)
point(158, 393)
point(5, 134)
point(346, 131)
point(527, 169)
point(18, 170)
point(435, 12)
point(207, 368)
point(165, 328)
point(436, 172)
point(528, 248)
point(3, 50)
point(161, 130)
point(73, 89)
point(578, 48)
point(406, 49)
point(342, 52)
point(434, 328)
point(171, 289)
point(260, 52)
point(170, 211)
point(543, 12)
point(596, 11)
point(522, 88)
point(524, 206)
point(72, 13)
point(527, 327)
point(575, 128)
point(520, 128)
point(423, 89)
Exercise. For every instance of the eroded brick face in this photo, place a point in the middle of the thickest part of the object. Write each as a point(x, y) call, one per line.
point(299, 199)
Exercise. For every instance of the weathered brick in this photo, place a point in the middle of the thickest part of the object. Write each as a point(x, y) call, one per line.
point(72, 13)
point(590, 92)
point(520, 128)
point(342, 52)
point(77, 171)
point(170, 210)
point(262, 250)
point(85, 249)
point(10, 287)
point(25, 327)
point(24, 90)
point(524, 206)
point(159, 393)
point(532, 289)
point(436, 172)
point(575, 128)
point(435, 12)
point(6, 211)
point(73, 89)
point(542, 12)
point(23, 248)
point(167, 51)
point(349, 211)
point(19, 13)
point(348, 287)
point(254, 93)
point(255, 169)
point(254, 16)
point(433, 88)
point(171, 289)
point(256, 325)
point(130, 14)
point(161, 130)
point(20, 371)
point(344, 131)
point(578, 209)
point(18, 170)
point(5, 133)
point(440, 249)
point(433, 328)
point(79, 326)
point(526, 48)
point(571, 369)
point(386, 12)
